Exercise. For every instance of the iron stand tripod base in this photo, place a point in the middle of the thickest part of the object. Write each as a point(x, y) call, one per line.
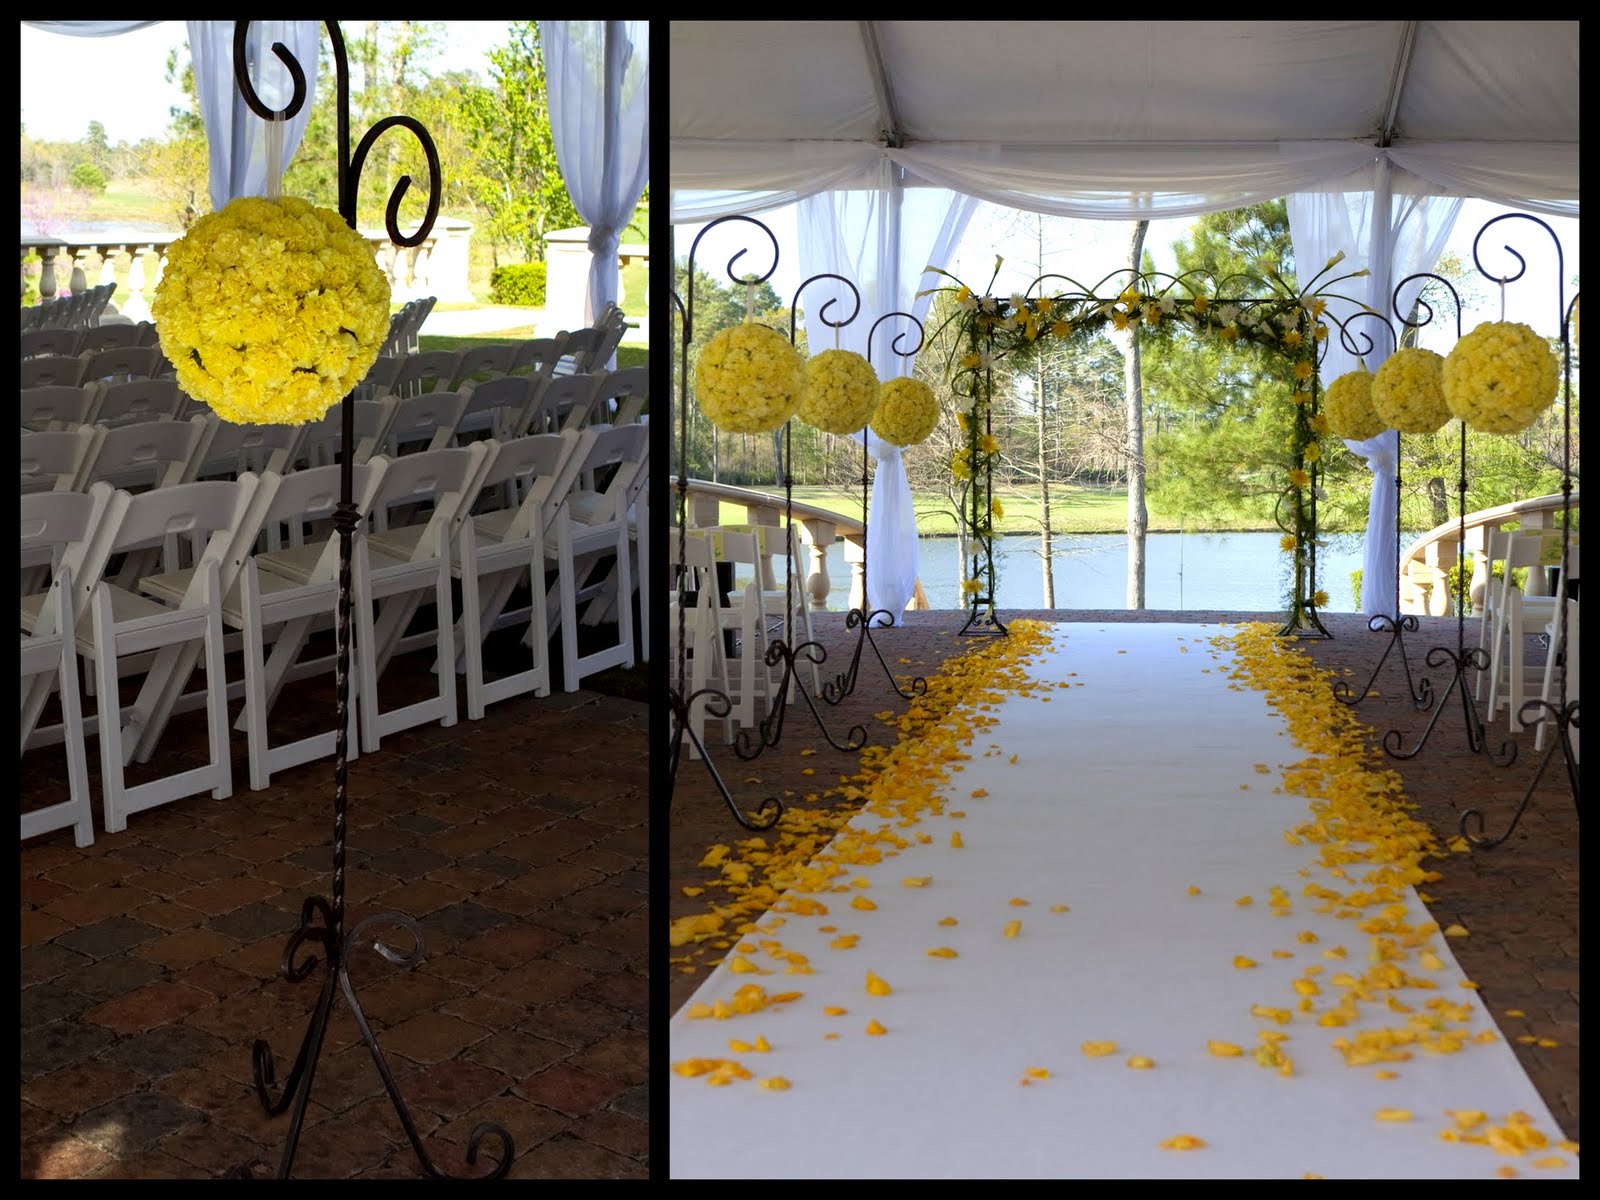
point(770, 809)
point(750, 743)
point(297, 1090)
point(1420, 691)
point(1461, 661)
point(845, 683)
point(982, 620)
point(1566, 720)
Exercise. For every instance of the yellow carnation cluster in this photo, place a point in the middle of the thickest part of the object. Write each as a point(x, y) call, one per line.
point(907, 412)
point(1407, 392)
point(1349, 406)
point(1500, 377)
point(271, 310)
point(840, 392)
point(748, 379)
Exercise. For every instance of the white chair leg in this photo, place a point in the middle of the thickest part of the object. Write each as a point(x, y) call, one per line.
point(109, 712)
point(217, 689)
point(447, 644)
point(255, 690)
point(472, 640)
point(77, 764)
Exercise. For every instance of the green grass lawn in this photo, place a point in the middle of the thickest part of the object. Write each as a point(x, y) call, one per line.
point(1073, 509)
point(627, 356)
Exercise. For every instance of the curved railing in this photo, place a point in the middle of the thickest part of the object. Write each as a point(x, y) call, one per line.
point(1426, 563)
point(818, 529)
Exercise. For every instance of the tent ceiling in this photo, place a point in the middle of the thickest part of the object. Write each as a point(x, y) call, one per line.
point(1155, 82)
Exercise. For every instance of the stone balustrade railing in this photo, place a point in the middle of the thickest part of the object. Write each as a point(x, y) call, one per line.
point(438, 267)
point(1426, 564)
point(818, 529)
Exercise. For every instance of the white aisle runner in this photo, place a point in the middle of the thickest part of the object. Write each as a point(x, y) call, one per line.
point(1126, 791)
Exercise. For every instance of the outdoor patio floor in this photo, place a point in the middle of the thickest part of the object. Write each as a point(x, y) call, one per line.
point(519, 844)
point(1519, 901)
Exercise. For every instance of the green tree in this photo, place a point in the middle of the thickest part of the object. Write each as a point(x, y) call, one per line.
point(87, 177)
point(97, 145)
point(515, 178)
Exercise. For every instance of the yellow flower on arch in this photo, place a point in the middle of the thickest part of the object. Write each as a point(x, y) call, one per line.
point(1299, 478)
point(971, 587)
point(1292, 338)
point(1288, 542)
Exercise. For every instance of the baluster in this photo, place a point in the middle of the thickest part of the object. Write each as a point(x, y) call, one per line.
point(135, 307)
point(108, 263)
point(47, 272)
point(80, 281)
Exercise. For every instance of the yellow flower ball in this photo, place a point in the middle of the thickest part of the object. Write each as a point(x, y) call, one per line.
point(748, 379)
point(1500, 377)
point(840, 392)
point(907, 412)
point(1349, 406)
point(271, 311)
point(1407, 393)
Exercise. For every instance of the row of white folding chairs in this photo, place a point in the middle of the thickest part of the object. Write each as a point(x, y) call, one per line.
point(1510, 617)
point(117, 363)
point(725, 641)
point(406, 325)
point(81, 310)
point(72, 341)
point(556, 522)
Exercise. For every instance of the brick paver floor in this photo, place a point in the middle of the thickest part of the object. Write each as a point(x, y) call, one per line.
point(1519, 901)
point(518, 843)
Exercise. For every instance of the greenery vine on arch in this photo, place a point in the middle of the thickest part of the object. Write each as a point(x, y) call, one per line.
point(1293, 324)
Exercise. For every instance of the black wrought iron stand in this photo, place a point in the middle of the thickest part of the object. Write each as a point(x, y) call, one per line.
point(1564, 712)
point(861, 618)
point(989, 622)
point(321, 923)
point(681, 700)
point(1399, 624)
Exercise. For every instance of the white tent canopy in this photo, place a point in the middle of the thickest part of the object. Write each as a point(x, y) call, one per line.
point(1373, 129)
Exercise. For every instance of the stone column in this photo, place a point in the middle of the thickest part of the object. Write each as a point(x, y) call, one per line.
point(448, 261)
point(47, 272)
point(134, 306)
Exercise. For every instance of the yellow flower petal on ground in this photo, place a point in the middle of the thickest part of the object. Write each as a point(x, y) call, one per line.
point(1394, 1114)
point(739, 1047)
point(1018, 902)
point(979, 793)
point(1550, 1161)
point(1430, 960)
point(1245, 901)
point(1335, 952)
point(1506, 1172)
point(1244, 964)
point(1515, 1012)
point(1012, 929)
point(877, 987)
point(775, 1083)
point(1384, 1075)
point(1455, 931)
point(1282, 954)
point(1098, 1049)
point(1307, 938)
point(845, 941)
point(942, 952)
point(1059, 908)
point(875, 1030)
point(862, 903)
point(1467, 1119)
point(1307, 987)
point(955, 840)
point(1547, 1043)
point(742, 966)
point(917, 881)
point(1193, 891)
point(833, 1010)
point(762, 1046)
point(1184, 1141)
point(1037, 1072)
point(1569, 1147)
point(691, 891)
point(1140, 1063)
point(949, 921)
point(1224, 1049)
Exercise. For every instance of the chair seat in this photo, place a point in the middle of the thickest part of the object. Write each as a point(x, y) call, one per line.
point(292, 562)
point(125, 606)
point(171, 586)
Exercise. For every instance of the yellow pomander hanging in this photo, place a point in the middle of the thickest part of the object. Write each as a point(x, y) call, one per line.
point(1500, 377)
point(1408, 392)
point(840, 392)
point(1348, 405)
point(908, 412)
point(271, 310)
point(748, 379)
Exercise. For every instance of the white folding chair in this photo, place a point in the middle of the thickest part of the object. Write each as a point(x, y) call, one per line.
point(58, 405)
point(1494, 551)
point(564, 404)
point(137, 400)
point(578, 350)
point(112, 337)
point(493, 406)
point(125, 623)
point(123, 363)
point(1519, 618)
point(324, 440)
point(395, 569)
point(495, 360)
point(52, 370)
point(58, 525)
point(705, 655)
point(234, 449)
point(592, 527)
point(426, 422)
point(61, 343)
point(55, 462)
point(620, 396)
point(435, 367)
point(500, 554)
point(537, 356)
point(772, 543)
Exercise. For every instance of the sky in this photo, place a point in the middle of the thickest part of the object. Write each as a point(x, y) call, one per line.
point(120, 81)
point(1089, 250)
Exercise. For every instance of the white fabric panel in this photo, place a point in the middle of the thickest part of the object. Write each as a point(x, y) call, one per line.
point(1538, 176)
point(1114, 182)
point(1324, 223)
point(599, 88)
point(716, 179)
point(235, 135)
point(1493, 82)
point(880, 240)
point(90, 28)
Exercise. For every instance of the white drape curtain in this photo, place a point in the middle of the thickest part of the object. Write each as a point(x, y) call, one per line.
point(880, 239)
point(235, 135)
point(1382, 222)
point(90, 28)
point(598, 76)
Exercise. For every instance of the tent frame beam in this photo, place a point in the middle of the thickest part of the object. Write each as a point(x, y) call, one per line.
point(1397, 84)
point(893, 134)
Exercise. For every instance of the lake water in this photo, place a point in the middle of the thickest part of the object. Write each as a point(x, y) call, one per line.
point(1241, 572)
